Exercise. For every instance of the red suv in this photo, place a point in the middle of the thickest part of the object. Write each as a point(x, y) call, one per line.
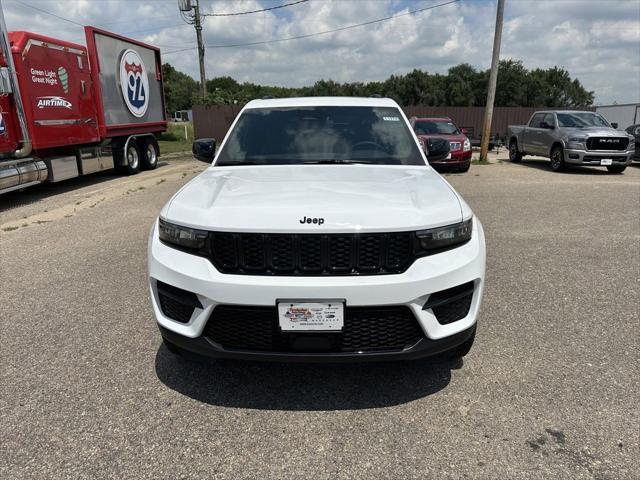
point(460, 145)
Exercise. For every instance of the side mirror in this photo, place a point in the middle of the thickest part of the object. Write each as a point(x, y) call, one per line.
point(464, 131)
point(204, 149)
point(614, 125)
point(546, 125)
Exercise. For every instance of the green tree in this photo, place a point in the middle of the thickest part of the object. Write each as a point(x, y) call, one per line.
point(463, 85)
point(179, 89)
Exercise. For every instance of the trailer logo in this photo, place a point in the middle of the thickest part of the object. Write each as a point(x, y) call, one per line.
point(52, 102)
point(134, 83)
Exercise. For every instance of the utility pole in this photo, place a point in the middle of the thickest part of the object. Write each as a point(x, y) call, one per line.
point(193, 18)
point(203, 80)
point(493, 78)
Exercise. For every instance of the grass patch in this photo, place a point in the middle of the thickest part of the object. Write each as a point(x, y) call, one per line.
point(162, 180)
point(9, 229)
point(173, 140)
point(477, 161)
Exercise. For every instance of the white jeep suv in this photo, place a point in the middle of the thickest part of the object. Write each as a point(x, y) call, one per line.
point(320, 232)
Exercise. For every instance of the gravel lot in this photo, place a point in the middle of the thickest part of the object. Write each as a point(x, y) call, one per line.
point(550, 389)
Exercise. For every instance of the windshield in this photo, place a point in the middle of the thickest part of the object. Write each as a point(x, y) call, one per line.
point(581, 120)
point(308, 135)
point(431, 127)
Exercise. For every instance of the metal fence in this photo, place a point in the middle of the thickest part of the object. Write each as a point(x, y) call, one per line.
point(215, 121)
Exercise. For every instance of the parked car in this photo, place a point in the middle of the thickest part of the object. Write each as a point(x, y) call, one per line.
point(635, 131)
point(460, 145)
point(571, 137)
point(319, 232)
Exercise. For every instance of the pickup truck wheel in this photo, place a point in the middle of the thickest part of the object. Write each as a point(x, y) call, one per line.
point(514, 155)
point(150, 154)
point(557, 159)
point(616, 168)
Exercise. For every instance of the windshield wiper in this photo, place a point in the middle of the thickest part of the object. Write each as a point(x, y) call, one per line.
point(336, 161)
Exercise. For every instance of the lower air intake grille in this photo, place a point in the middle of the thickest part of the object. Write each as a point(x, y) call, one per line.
point(177, 304)
point(452, 304)
point(365, 330)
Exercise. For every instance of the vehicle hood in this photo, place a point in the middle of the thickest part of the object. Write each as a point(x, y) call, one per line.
point(349, 198)
point(593, 132)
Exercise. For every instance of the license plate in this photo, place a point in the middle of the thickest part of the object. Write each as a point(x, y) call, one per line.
point(297, 316)
point(606, 161)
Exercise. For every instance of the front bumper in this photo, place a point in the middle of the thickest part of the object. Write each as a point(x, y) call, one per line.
point(458, 159)
point(595, 157)
point(411, 289)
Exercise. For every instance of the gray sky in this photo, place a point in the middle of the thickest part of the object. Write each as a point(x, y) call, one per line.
point(597, 41)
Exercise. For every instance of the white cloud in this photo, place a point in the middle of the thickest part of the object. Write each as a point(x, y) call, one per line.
point(597, 42)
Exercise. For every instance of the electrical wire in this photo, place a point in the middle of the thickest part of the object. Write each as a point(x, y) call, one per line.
point(49, 13)
point(308, 35)
point(251, 11)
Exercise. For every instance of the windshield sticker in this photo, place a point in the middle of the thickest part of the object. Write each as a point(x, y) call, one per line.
point(391, 119)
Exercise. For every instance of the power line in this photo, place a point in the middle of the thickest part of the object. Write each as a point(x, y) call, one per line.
point(308, 35)
point(252, 11)
point(49, 13)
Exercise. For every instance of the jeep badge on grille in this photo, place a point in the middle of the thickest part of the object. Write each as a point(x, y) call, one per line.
point(318, 221)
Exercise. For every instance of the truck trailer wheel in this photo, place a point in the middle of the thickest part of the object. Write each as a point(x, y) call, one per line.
point(129, 161)
point(514, 155)
point(150, 153)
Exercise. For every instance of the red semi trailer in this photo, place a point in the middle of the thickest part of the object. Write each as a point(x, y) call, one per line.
point(68, 110)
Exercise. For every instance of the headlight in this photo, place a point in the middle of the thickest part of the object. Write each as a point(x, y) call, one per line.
point(444, 237)
point(182, 237)
point(576, 143)
point(467, 145)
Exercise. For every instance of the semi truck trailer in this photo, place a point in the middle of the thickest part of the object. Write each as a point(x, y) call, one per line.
point(68, 110)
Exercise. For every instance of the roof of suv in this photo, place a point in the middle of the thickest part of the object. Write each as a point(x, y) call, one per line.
point(323, 102)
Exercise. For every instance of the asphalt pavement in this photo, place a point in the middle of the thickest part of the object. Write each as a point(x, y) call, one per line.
point(550, 389)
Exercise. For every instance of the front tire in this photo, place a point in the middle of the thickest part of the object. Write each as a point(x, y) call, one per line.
point(557, 159)
point(616, 168)
point(514, 155)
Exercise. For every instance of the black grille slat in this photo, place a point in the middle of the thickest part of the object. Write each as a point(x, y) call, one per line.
point(366, 329)
point(283, 259)
point(398, 251)
point(370, 253)
point(341, 252)
point(253, 252)
point(312, 254)
point(225, 252)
